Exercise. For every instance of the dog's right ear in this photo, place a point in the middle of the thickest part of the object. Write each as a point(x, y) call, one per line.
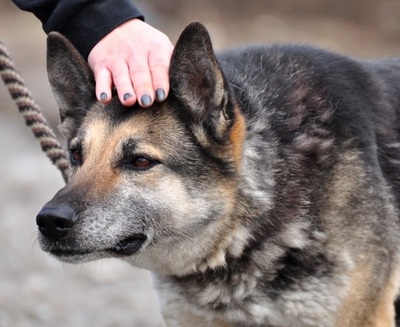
point(199, 83)
point(72, 82)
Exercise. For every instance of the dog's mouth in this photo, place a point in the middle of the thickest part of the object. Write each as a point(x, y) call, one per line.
point(129, 245)
point(126, 247)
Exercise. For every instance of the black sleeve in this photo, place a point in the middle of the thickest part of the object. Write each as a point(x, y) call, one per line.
point(83, 22)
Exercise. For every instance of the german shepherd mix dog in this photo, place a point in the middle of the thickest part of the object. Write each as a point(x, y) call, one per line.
point(264, 191)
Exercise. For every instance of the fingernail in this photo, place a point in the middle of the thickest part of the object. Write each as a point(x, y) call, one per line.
point(160, 95)
point(103, 96)
point(146, 100)
point(127, 96)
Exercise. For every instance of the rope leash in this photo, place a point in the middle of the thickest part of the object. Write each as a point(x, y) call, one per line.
point(32, 114)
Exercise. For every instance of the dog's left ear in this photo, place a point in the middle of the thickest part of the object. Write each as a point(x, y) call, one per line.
point(199, 83)
point(72, 82)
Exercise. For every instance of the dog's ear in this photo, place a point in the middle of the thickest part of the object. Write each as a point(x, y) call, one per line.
point(199, 84)
point(72, 82)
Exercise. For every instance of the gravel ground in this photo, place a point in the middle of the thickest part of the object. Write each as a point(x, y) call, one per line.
point(36, 290)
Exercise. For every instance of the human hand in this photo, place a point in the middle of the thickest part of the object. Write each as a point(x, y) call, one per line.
point(134, 58)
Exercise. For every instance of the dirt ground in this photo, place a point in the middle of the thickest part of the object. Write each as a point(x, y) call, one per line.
point(36, 290)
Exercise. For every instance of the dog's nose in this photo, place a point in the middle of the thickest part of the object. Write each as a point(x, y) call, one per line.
point(55, 222)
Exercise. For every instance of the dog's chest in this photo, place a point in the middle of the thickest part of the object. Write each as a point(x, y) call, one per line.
point(242, 300)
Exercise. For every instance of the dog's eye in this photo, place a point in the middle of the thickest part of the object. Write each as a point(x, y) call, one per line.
point(75, 157)
point(140, 163)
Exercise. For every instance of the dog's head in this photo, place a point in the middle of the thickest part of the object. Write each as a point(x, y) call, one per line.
point(156, 186)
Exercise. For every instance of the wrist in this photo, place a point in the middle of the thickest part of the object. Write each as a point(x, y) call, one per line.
point(84, 30)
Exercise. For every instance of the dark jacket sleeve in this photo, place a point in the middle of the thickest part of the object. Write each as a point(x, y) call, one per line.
point(83, 22)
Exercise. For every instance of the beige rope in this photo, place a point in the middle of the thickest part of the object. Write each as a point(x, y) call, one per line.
point(32, 114)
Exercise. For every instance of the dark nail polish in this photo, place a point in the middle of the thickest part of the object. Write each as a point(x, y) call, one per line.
point(103, 96)
point(160, 95)
point(127, 96)
point(146, 100)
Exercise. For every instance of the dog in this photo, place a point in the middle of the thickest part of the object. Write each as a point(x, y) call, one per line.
point(264, 191)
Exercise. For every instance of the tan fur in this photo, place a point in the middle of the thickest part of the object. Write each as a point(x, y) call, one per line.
point(356, 299)
point(237, 137)
point(97, 159)
point(357, 306)
point(385, 313)
point(102, 144)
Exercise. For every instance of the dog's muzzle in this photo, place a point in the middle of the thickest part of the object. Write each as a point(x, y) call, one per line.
point(56, 222)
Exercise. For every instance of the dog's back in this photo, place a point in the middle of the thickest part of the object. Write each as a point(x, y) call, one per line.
point(387, 119)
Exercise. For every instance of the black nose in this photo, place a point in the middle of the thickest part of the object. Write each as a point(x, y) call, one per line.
point(55, 222)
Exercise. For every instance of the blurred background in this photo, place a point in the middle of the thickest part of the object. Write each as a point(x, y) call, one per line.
point(36, 290)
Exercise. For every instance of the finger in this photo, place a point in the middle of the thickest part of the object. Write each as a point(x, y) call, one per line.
point(123, 84)
point(159, 67)
point(160, 79)
point(103, 84)
point(141, 81)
